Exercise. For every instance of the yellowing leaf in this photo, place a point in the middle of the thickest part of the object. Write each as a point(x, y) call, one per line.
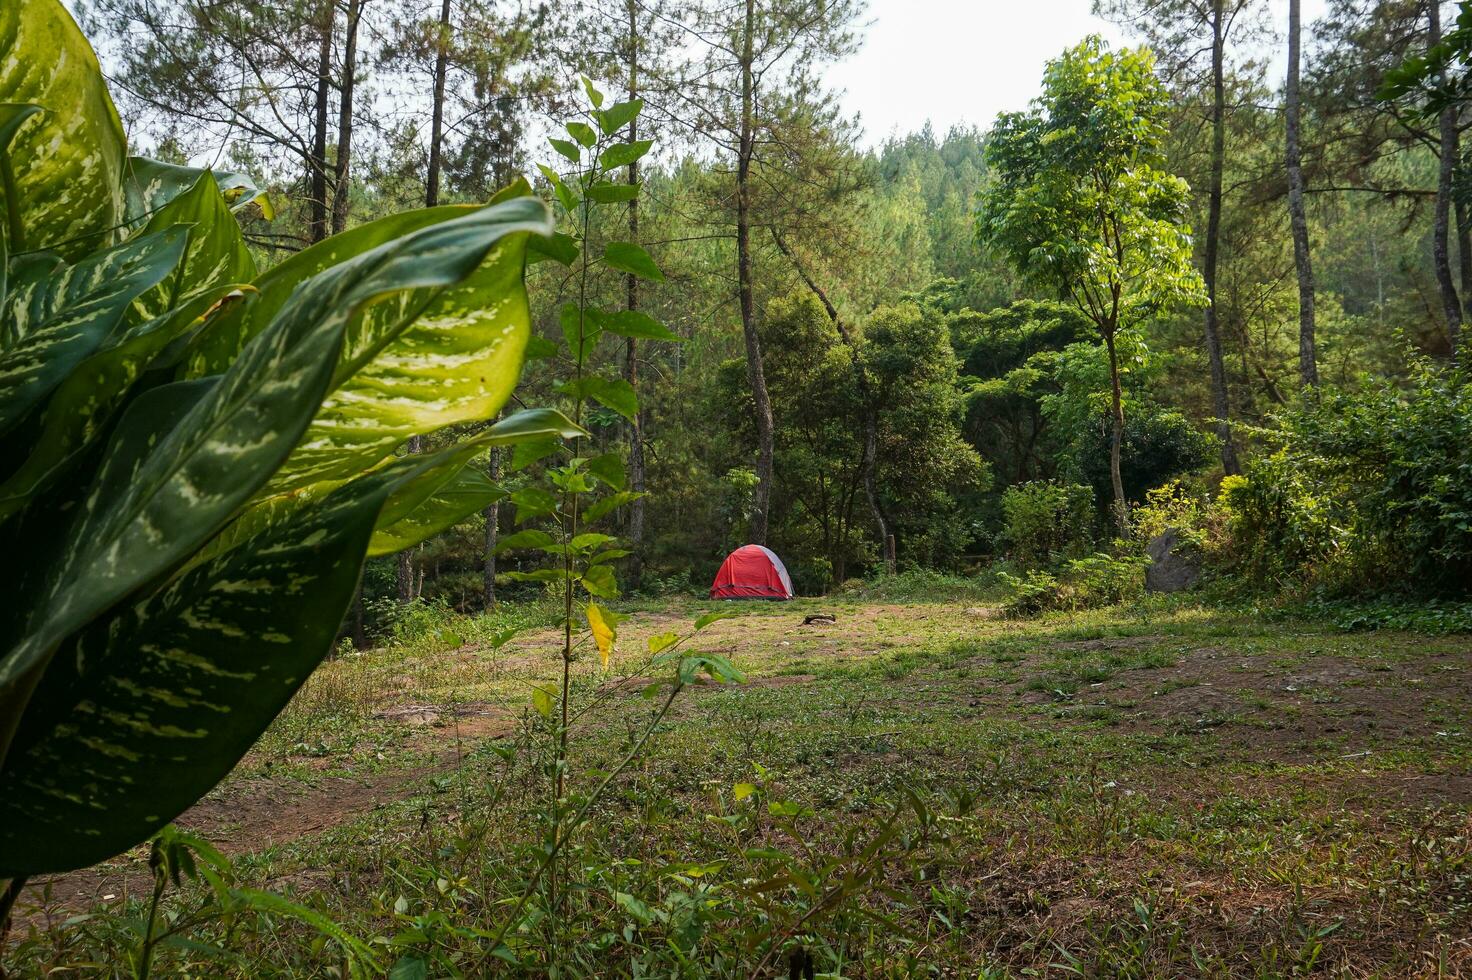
point(542, 701)
point(662, 641)
point(743, 790)
point(603, 631)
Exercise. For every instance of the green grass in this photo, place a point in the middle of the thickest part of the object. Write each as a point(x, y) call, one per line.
point(1121, 792)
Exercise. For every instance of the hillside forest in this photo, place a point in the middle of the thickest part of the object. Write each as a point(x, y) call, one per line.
point(881, 342)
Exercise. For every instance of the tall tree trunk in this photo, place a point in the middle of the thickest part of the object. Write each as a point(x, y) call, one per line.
point(405, 577)
point(756, 377)
point(1440, 250)
point(1116, 436)
point(869, 461)
point(1464, 257)
point(1308, 369)
point(317, 166)
point(341, 181)
point(631, 355)
point(1220, 404)
point(437, 108)
point(493, 534)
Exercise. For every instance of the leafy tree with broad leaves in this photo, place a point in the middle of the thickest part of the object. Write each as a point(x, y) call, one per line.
point(199, 457)
point(1079, 202)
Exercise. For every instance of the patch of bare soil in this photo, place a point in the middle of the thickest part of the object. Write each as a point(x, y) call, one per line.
point(473, 719)
point(1279, 712)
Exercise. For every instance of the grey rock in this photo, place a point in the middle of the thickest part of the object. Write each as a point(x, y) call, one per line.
point(1173, 566)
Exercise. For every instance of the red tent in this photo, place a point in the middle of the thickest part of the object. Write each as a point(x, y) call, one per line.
point(752, 572)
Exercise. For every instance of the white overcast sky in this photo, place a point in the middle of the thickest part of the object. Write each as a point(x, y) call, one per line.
point(963, 61)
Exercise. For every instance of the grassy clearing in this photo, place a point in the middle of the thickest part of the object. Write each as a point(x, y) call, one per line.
point(1161, 789)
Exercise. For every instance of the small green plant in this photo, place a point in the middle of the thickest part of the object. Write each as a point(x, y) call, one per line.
point(1045, 523)
point(1083, 583)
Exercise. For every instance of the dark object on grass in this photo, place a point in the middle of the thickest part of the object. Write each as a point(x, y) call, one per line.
point(1174, 566)
point(827, 618)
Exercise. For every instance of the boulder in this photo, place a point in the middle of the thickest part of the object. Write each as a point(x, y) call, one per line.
point(1174, 565)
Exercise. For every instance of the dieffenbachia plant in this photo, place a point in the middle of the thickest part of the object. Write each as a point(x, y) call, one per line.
point(196, 457)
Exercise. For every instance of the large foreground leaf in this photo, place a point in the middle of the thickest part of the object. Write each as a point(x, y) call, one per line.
point(68, 161)
point(168, 485)
point(216, 254)
point(148, 710)
point(60, 320)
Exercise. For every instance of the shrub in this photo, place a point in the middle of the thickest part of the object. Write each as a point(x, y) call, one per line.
point(1083, 583)
point(1371, 492)
point(1045, 522)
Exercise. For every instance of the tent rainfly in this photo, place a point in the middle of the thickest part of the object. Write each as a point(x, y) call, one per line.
point(752, 572)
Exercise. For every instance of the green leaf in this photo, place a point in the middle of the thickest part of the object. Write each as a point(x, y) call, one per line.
point(610, 469)
point(177, 687)
point(540, 348)
point(431, 357)
point(582, 132)
point(623, 154)
point(68, 162)
point(560, 247)
point(527, 538)
point(605, 192)
point(533, 502)
point(55, 323)
point(594, 96)
point(216, 255)
point(599, 581)
point(469, 492)
point(543, 698)
point(567, 148)
point(170, 480)
point(609, 504)
point(88, 396)
point(580, 330)
point(628, 257)
point(713, 617)
point(587, 541)
point(639, 325)
point(150, 184)
point(617, 395)
point(528, 453)
point(616, 117)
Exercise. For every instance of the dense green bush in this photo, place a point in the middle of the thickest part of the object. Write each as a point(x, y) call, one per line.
point(1045, 522)
point(1371, 492)
point(1083, 583)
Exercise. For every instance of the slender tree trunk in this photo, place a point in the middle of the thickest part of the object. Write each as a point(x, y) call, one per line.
point(1440, 250)
point(631, 356)
point(1220, 403)
point(1464, 258)
point(1308, 369)
point(437, 108)
point(754, 373)
point(405, 578)
point(341, 181)
point(317, 167)
point(493, 534)
point(869, 461)
point(1116, 436)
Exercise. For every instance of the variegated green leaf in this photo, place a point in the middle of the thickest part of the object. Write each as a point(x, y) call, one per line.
point(89, 395)
point(60, 320)
point(456, 362)
point(12, 117)
point(468, 492)
point(151, 184)
point(169, 692)
point(216, 254)
point(167, 486)
point(67, 163)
